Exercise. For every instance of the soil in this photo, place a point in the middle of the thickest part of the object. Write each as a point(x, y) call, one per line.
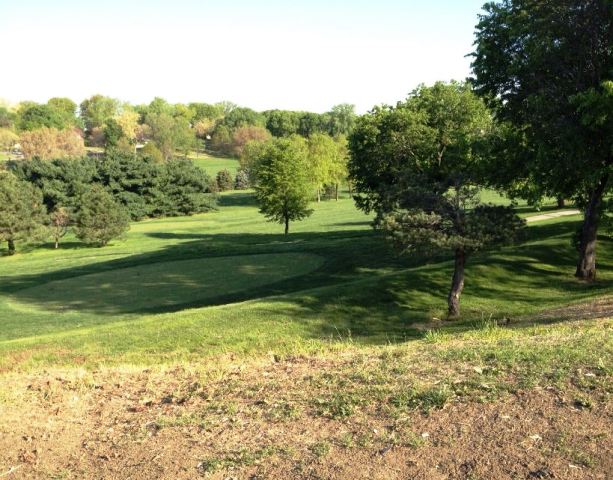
point(141, 424)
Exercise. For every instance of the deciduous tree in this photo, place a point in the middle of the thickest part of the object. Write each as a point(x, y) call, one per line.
point(418, 166)
point(538, 62)
point(283, 187)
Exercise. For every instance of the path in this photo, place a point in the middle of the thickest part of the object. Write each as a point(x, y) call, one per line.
point(549, 216)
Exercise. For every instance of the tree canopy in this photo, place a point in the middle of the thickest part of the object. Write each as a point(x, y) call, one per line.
point(539, 62)
point(283, 187)
point(419, 165)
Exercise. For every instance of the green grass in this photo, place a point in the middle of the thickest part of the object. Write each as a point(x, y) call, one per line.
point(330, 284)
point(212, 164)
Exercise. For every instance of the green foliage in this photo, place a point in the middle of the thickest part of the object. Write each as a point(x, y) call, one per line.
point(22, 212)
point(62, 182)
point(224, 180)
point(37, 116)
point(153, 152)
point(282, 123)
point(101, 218)
point(241, 117)
point(327, 159)
point(342, 119)
point(548, 79)
point(241, 182)
point(419, 165)
point(143, 185)
point(7, 118)
point(96, 110)
point(283, 188)
point(170, 133)
point(185, 190)
point(112, 133)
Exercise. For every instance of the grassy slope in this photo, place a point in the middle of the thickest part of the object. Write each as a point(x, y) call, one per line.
point(349, 288)
point(212, 164)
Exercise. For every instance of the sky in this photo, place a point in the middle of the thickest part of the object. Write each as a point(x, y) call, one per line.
point(297, 55)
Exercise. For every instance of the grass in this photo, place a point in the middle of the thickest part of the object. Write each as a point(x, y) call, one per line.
point(212, 164)
point(228, 283)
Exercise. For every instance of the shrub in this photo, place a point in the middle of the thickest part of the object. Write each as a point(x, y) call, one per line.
point(241, 181)
point(224, 180)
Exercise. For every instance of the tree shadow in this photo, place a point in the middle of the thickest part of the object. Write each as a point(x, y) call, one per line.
point(360, 289)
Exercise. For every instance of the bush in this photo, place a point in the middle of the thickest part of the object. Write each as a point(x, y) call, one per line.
point(224, 180)
point(101, 217)
point(241, 182)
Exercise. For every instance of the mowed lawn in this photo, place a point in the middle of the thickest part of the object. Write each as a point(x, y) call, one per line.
point(212, 164)
point(229, 283)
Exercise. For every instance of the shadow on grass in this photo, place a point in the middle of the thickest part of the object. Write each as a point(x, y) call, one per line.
point(360, 290)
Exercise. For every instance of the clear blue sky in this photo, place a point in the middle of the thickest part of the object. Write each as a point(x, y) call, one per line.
point(306, 55)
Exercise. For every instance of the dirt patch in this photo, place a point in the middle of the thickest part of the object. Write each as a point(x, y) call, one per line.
point(288, 419)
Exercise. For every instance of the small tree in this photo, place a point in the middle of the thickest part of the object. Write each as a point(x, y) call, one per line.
point(283, 187)
point(22, 211)
point(101, 218)
point(419, 166)
point(59, 220)
point(224, 180)
point(241, 181)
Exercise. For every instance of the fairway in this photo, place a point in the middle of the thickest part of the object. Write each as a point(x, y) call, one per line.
point(228, 281)
point(212, 164)
point(167, 285)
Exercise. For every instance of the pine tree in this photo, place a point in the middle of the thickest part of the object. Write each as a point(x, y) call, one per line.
point(22, 211)
point(101, 218)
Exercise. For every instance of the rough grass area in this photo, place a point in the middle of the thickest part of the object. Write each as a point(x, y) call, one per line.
point(488, 402)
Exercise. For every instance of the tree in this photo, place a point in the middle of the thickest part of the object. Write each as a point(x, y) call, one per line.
point(536, 61)
point(282, 123)
point(101, 217)
point(328, 160)
point(8, 139)
point(170, 134)
point(59, 220)
point(22, 211)
point(47, 143)
point(96, 110)
point(246, 134)
point(341, 119)
point(33, 117)
point(241, 181)
point(283, 188)
point(419, 164)
point(224, 180)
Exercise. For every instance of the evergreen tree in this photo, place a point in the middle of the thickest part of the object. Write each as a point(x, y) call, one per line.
point(101, 217)
point(22, 212)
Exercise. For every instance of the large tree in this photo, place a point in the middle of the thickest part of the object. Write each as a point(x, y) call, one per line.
point(419, 164)
point(283, 187)
point(22, 212)
point(539, 62)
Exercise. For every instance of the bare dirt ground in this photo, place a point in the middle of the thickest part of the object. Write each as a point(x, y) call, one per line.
point(259, 421)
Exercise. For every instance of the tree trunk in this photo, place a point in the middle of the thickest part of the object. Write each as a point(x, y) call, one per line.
point(336, 193)
point(586, 267)
point(286, 225)
point(561, 202)
point(318, 195)
point(11, 243)
point(57, 243)
point(457, 284)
